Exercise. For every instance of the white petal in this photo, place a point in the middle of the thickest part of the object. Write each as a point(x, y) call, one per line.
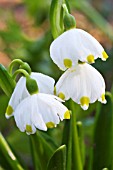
point(84, 81)
point(61, 86)
point(45, 83)
point(36, 116)
point(50, 108)
point(74, 44)
point(20, 93)
point(27, 114)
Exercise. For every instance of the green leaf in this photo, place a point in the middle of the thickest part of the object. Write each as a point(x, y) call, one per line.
point(41, 151)
point(56, 17)
point(103, 135)
point(49, 139)
point(58, 160)
point(7, 156)
point(6, 82)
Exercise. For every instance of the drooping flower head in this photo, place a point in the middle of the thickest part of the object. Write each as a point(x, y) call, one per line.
point(83, 84)
point(41, 110)
point(75, 45)
point(45, 85)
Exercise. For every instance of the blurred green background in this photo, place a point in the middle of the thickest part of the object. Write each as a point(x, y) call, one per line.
point(25, 33)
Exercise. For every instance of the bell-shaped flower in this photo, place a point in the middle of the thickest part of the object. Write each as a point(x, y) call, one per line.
point(45, 85)
point(83, 84)
point(40, 111)
point(75, 45)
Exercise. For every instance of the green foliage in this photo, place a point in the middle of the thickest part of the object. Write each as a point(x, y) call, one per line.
point(56, 17)
point(35, 8)
point(94, 16)
point(103, 135)
point(45, 146)
point(41, 151)
point(58, 160)
point(6, 82)
point(8, 159)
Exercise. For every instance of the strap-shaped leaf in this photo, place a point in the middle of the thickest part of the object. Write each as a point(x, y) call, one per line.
point(58, 160)
point(103, 135)
point(6, 82)
point(7, 158)
point(41, 151)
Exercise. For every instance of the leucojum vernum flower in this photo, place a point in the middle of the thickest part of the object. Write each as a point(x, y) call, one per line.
point(73, 52)
point(40, 109)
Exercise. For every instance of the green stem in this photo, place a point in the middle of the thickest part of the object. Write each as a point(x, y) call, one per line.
point(81, 143)
point(20, 71)
point(16, 61)
point(65, 9)
point(76, 156)
point(8, 154)
point(69, 149)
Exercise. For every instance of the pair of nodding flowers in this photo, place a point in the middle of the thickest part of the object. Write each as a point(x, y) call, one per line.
point(71, 51)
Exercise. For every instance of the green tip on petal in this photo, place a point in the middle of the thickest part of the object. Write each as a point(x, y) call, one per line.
point(61, 95)
point(50, 125)
point(67, 115)
point(67, 63)
point(9, 111)
point(28, 128)
point(105, 56)
point(84, 101)
point(102, 99)
point(90, 59)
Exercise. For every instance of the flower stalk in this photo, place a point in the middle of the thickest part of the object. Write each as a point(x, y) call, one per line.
point(76, 156)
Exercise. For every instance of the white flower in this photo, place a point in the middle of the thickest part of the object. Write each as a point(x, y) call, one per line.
point(74, 45)
point(40, 111)
point(84, 84)
point(45, 85)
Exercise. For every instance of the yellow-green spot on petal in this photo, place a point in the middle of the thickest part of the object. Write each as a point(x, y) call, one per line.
point(67, 63)
point(67, 115)
point(50, 125)
point(28, 128)
point(90, 59)
point(55, 90)
point(61, 95)
point(84, 101)
point(103, 97)
point(9, 110)
point(105, 56)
